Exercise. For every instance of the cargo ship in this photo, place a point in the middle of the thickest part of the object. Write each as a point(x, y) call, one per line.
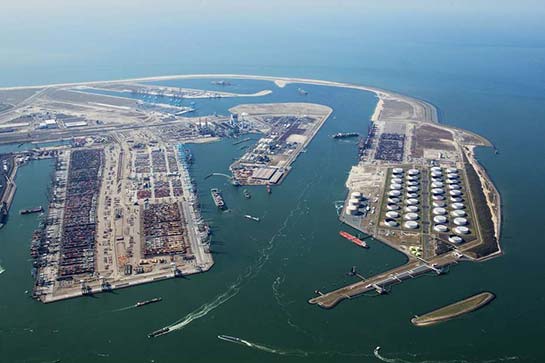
point(217, 198)
point(343, 135)
point(146, 302)
point(252, 217)
point(158, 332)
point(32, 210)
point(353, 239)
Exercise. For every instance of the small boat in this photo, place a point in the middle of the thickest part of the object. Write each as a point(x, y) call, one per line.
point(377, 350)
point(269, 189)
point(146, 302)
point(252, 217)
point(230, 338)
point(158, 332)
point(246, 193)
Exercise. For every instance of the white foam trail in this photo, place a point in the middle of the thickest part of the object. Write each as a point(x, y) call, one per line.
point(2, 270)
point(123, 309)
point(399, 360)
point(233, 290)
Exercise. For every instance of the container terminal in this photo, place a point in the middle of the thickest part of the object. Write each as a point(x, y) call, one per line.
point(123, 209)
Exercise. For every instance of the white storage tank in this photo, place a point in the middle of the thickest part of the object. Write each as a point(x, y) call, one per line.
point(452, 176)
point(460, 221)
point(454, 187)
point(413, 183)
point(397, 180)
point(354, 201)
point(391, 222)
point(455, 193)
point(437, 184)
point(452, 170)
point(458, 213)
point(411, 225)
point(440, 219)
point(413, 172)
point(457, 206)
point(351, 210)
point(392, 214)
point(411, 201)
point(461, 230)
point(453, 181)
point(438, 197)
point(439, 211)
point(440, 228)
point(397, 171)
point(436, 174)
point(395, 186)
point(356, 195)
point(455, 239)
point(412, 177)
point(412, 195)
point(394, 193)
point(413, 188)
point(410, 216)
point(392, 206)
point(456, 199)
point(437, 180)
point(394, 200)
point(438, 203)
point(411, 209)
point(435, 168)
point(438, 191)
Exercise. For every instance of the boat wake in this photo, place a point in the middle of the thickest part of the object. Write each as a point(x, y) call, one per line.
point(250, 273)
point(400, 360)
point(123, 309)
point(2, 270)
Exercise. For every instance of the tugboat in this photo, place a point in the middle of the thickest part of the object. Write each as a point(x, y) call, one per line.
point(146, 302)
point(343, 135)
point(217, 198)
point(246, 193)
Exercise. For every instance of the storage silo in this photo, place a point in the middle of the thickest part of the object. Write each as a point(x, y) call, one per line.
point(410, 217)
point(440, 219)
point(392, 214)
point(461, 230)
point(455, 239)
point(457, 206)
point(391, 222)
point(458, 213)
point(352, 210)
point(395, 186)
point(411, 209)
point(392, 206)
point(411, 224)
point(394, 193)
point(460, 221)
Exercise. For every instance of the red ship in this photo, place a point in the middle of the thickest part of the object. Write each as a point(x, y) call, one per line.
point(353, 239)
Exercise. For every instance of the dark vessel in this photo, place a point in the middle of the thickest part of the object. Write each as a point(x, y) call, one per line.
point(32, 210)
point(146, 302)
point(217, 198)
point(158, 332)
point(3, 214)
point(343, 135)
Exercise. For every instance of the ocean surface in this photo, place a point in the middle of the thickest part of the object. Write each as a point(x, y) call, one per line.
point(485, 79)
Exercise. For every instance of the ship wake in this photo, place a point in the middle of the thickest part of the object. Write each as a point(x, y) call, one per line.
point(414, 360)
point(251, 272)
